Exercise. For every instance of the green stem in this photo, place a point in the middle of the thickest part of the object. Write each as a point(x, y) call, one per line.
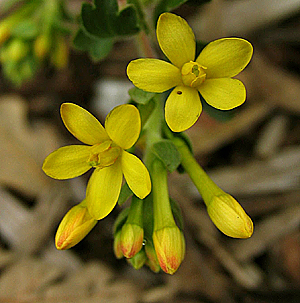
point(204, 184)
point(135, 215)
point(153, 130)
point(163, 216)
point(25, 10)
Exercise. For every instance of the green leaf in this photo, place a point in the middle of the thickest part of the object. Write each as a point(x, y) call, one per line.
point(125, 194)
point(167, 152)
point(166, 6)
point(139, 96)
point(98, 48)
point(169, 5)
point(145, 110)
point(103, 19)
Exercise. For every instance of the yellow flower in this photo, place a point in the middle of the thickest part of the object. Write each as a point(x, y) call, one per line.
point(210, 74)
point(75, 225)
point(105, 151)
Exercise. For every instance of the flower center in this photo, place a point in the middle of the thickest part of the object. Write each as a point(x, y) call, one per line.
point(104, 154)
point(193, 74)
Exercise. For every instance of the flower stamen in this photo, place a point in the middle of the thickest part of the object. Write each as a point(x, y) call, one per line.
point(104, 154)
point(193, 74)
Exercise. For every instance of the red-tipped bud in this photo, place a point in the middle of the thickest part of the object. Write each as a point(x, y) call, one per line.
point(170, 248)
point(152, 261)
point(132, 236)
point(117, 245)
point(75, 225)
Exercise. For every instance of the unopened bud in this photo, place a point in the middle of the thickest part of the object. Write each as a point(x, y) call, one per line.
point(75, 225)
point(170, 248)
point(138, 260)
point(60, 54)
point(229, 216)
point(42, 46)
point(132, 236)
point(117, 245)
point(152, 261)
point(4, 32)
point(17, 50)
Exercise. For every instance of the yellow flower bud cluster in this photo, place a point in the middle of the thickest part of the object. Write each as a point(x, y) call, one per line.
point(28, 39)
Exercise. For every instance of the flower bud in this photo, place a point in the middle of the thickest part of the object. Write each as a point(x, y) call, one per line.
point(60, 54)
point(229, 216)
point(4, 32)
point(42, 46)
point(75, 225)
point(170, 248)
point(138, 260)
point(117, 245)
point(152, 261)
point(18, 49)
point(132, 236)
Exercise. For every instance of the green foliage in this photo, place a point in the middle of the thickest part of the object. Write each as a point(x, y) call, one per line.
point(98, 48)
point(169, 5)
point(167, 152)
point(105, 20)
point(166, 6)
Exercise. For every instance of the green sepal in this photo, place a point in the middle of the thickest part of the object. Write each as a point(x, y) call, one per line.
point(176, 210)
point(146, 111)
point(167, 152)
point(125, 194)
point(98, 48)
point(140, 96)
point(199, 47)
point(105, 20)
point(148, 220)
point(217, 114)
point(121, 219)
point(171, 135)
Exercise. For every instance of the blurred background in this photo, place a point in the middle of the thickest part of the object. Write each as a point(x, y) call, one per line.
point(252, 153)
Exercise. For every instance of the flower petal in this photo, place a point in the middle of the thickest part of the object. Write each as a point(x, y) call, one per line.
point(153, 75)
point(82, 124)
point(136, 175)
point(176, 39)
point(183, 107)
point(123, 125)
point(103, 190)
point(225, 57)
point(223, 93)
point(67, 162)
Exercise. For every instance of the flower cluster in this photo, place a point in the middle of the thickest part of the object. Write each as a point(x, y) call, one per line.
point(150, 230)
